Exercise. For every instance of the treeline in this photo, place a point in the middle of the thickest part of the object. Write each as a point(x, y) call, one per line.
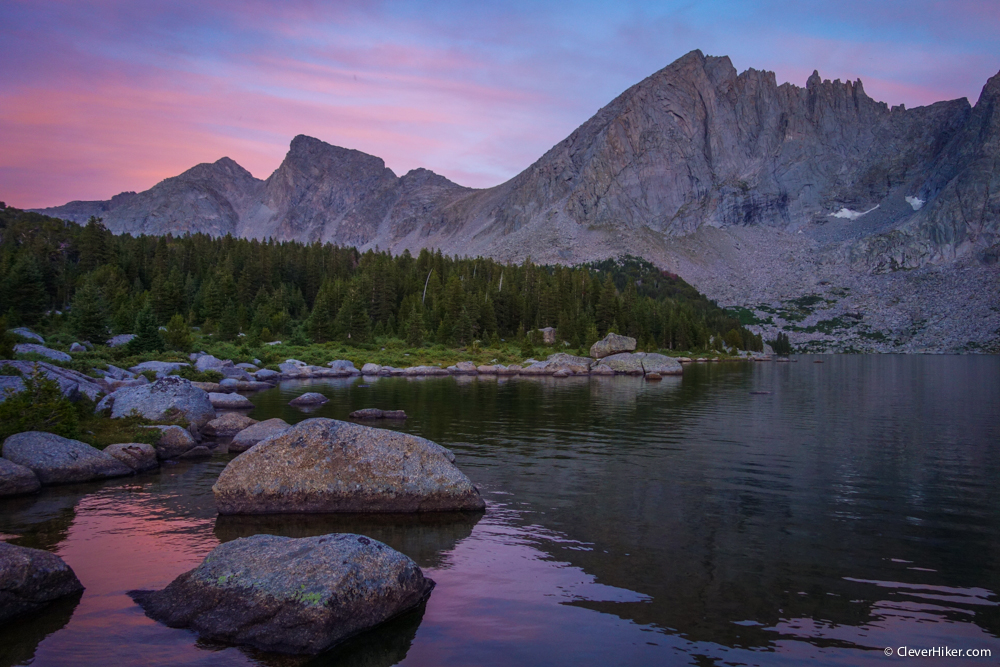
point(270, 290)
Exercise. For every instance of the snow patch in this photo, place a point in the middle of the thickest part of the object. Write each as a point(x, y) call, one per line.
point(916, 202)
point(848, 214)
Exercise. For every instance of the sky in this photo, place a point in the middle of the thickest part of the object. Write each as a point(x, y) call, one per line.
point(104, 96)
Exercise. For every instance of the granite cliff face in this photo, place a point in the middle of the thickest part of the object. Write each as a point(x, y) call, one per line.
point(752, 191)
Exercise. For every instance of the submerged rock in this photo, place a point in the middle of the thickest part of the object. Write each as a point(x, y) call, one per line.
point(290, 595)
point(375, 413)
point(228, 424)
point(32, 578)
point(309, 398)
point(167, 399)
point(324, 465)
point(138, 456)
point(251, 435)
point(58, 460)
point(16, 479)
point(611, 344)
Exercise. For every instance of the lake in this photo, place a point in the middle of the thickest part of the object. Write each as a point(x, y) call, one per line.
point(751, 514)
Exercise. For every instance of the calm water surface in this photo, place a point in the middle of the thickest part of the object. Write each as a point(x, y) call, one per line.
point(854, 507)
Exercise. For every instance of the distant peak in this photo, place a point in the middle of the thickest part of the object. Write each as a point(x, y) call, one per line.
point(814, 80)
point(991, 91)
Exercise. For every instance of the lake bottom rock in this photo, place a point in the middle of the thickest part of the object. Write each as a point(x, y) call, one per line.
point(288, 595)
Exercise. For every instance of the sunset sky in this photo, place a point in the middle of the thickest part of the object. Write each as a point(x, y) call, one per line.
point(106, 96)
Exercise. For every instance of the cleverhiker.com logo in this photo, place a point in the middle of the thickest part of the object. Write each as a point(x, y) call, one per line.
point(938, 652)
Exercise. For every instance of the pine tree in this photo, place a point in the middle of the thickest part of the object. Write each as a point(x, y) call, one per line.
point(24, 289)
point(89, 314)
point(147, 332)
point(178, 334)
point(415, 331)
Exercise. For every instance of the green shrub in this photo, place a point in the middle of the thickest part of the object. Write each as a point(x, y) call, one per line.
point(39, 407)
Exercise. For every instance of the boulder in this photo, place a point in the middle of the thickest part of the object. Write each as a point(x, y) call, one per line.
point(233, 373)
point(537, 368)
point(25, 332)
point(375, 413)
point(32, 578)
point(230, 401)
point(290, 368)
point(562, 373)
point(602, 369)
point(138, 456)
point(229, 385)
point(486, 370)
point(573, 364)
point(58, 460)
point(161, 368)
point(167, 399)
point(208, 387)
point(16, 479)
point(290, 595)
point(309, 398)
point(267, 375)
point(252, 385)
point(661, 365)
point(118, 373)
point(206, 362)
point(251, 435)
point(228, 425)
point(370, 369)
point(247, 367)
point(119, 340)
point(612, 344)
point(624, 363)
point(424, 370)
point(463, 368)
point(324, 465)
point(10, 384)
point(548, 335)
point(173, 442)
point(513, 369)
point(653, 377)
point(47, 352)
point(76, 347)
point(343, 367)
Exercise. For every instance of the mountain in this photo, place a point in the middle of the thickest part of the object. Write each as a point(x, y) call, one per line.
point(759, 194)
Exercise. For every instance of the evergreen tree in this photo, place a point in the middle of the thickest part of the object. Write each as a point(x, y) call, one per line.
point(229, 325)
point(7, 340)
point(415, 331)
point(89, 314)
point(24, 289)
point(147, 332)
point(178, 334)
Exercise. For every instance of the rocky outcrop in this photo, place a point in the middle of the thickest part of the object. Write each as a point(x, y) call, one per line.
point(71, 383)
point(624, 363)
point(289, 595)
point(31, 579)
point(138, 456)
point(41, 350)
point(228, 425)
point(25, 332)
point(612, 344)
point(324, 465)
point(16, 479)
point(251, 435)
point(169, 399)
point(58, 460)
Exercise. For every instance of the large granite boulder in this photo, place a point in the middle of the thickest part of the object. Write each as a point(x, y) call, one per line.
point(233, 373)
point(573, 364)
point(47, 352)
point(25, 332)
point(58, 460)
point(228, 425)
point(174, 442)
point(343, 367)
point(16, 479)
point(612, 344)
point(138, 456)
point(310, 398)
point(624, 363)
point(370, 369)
point(167, 399)
point(267, 375)
point(251, 435)
point(72, 384)
point(324, 465)
point(206, 362)
point(32, 578)
point(289, 595)
point(161, 368)
point(77, 347)
point(661, 364)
